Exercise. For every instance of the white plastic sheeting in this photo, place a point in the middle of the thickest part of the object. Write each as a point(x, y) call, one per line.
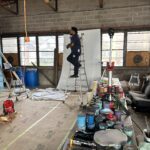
point(92, 51)
point(48, 94)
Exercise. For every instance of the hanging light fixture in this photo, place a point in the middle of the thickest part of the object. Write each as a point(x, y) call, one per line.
point(27, 39)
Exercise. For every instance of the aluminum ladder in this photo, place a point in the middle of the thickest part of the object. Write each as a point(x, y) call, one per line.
point(81, 82)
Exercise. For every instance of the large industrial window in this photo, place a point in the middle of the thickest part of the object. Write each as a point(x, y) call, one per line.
point(117, 48)
point(28, 51)
point(138, 41)
point(47, 45)
point(9, 45)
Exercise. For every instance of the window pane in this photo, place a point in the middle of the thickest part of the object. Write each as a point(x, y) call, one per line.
point(46, 58)
point(117, 48)
point(10, 45)
point(27, 46)
point(61, 43)
point(27, 58)
point(138, 41)
point(117, 57)
point(47, 43)
point(28, 51)
point(117, 42)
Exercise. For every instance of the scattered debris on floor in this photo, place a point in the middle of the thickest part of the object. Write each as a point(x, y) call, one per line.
point(7, 118)
point(49, 94)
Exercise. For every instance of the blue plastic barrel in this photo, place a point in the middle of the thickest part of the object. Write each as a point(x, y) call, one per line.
point(31, 78)
point(20, 73)
point(81, 122)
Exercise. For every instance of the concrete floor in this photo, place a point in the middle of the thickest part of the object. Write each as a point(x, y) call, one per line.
point(43, 125)
point(39, 125)
point(138, 118)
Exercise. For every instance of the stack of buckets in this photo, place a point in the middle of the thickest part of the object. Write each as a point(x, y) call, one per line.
point(85, 121)
point(28, 76)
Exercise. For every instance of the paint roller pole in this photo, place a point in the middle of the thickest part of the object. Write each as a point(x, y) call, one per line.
point(110, 64)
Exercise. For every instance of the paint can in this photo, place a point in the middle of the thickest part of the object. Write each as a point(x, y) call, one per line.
point(101, 89)
point(81, 122)
point(106, 104)
point(118, 114)
point(90, 121)
point(105, 89)
point(100, 105)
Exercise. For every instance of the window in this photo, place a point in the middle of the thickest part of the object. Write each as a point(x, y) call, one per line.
point(10, 45)
point(28, 51)
point(138, 41)
point(47, 45)
point(117, 48)
point(61, 44)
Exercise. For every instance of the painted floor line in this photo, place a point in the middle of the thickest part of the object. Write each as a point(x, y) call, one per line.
point(29, 128)
point(65, 138)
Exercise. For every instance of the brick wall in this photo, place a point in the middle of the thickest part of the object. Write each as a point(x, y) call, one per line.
point(83, 14)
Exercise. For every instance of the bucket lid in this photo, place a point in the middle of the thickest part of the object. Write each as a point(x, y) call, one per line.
point(107, 138)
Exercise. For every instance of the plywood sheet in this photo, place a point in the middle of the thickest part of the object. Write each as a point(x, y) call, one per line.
point(131, 55)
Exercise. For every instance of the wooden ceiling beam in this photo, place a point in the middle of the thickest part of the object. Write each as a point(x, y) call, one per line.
point(53, 6)
point(101, 2)
point(6, 4)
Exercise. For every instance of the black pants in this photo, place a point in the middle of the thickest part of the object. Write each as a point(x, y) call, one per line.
point(74, 59)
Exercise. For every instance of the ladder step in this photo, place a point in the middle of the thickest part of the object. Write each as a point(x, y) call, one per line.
point(79, 68)
point(81, 80)
point(82, 73)
point(83, 86)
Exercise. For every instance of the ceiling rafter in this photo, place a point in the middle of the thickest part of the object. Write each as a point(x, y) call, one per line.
point(52, 4)
point(8, 4)
point(101, 3)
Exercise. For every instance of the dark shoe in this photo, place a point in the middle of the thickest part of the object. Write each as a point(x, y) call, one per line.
point(79, 65)
point(74, 76)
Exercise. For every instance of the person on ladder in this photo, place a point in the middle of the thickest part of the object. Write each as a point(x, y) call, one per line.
point(75, 46)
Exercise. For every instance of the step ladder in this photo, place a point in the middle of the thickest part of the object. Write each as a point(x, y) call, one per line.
point(80, 83)
point(18, 81)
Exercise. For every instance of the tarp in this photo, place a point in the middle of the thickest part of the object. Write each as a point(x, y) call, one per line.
point(48, 94)
point(92, 53)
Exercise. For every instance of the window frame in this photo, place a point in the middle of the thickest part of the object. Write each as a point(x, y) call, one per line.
point(9, 37)
point(123, 50)
point(37, 46)
point(45, 50)
point(29, 51)
point(133, 31)
point(57, 34)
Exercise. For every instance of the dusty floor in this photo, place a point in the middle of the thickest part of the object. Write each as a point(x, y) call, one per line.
point(43, 125)
point(138, 118)
point(39, 125)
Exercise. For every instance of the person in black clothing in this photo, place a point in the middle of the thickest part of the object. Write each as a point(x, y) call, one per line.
point(75, 46)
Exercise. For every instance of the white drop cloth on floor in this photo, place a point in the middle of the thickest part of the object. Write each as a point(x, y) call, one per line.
point(49, 94)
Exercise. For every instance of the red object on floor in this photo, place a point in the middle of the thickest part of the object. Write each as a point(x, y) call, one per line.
point(8, 107)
